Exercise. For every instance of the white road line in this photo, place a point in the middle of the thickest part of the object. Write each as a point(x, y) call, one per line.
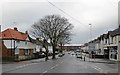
point(97, 68)
point(56, 65)
point(62, 62)
point(52, 67)
point(19, 66)
point(45, 72)
point(25, 65)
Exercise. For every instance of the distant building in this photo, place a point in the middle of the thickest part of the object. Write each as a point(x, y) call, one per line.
point(72, 47)
point(85, 47)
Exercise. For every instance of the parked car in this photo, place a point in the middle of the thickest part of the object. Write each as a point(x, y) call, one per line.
point(78, 55)
point(63, 52)
point(72, 53)
point(87, 52)
point(56, 52)
point(69, 52)
point(60, 54)
point(42, 55)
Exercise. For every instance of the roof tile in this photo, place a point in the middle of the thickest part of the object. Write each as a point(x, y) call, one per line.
point(13, 34)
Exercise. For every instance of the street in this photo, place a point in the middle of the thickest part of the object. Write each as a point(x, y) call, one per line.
point(66, 64)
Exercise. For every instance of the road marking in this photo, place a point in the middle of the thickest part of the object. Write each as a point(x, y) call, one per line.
point(111, 71)
point(97, 68)
point(56, 65)
point(62, 62)
point(103, 71)
point(25, 65)
point(19, 66)
point(52, 67)
point(45, 72)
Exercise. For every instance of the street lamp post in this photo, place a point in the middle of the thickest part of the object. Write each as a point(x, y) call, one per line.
point(91, 35)
point(90, 38)
point(90, 30)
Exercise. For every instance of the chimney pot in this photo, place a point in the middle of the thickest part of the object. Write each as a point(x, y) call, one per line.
point(26, 32)
point(37, 38)
point(15, 28)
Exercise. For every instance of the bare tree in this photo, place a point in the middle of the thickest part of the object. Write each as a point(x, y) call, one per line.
point(52, 27)
point(65, 39)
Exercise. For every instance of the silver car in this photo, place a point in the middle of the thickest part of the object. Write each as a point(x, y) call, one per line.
point(78, 55)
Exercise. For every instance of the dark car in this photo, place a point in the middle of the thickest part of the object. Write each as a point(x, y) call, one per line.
point(69, 52)
point(60, 54)
point(42, 55)
point(73, 53)
point(63, 52)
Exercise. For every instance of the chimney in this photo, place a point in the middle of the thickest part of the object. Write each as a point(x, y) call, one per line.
point(37, 39)
point(26, 32)
point(15, 28)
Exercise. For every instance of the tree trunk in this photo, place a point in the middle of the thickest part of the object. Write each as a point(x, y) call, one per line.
point(46, 54)
point(61, 47)
point(54, 48)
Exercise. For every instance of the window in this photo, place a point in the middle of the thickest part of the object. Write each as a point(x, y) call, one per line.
point(4, 35)
point(26, 42)
point(105, 41)
point(18, 41)
point(26, 52)
point(115, 40)
point(111, 40)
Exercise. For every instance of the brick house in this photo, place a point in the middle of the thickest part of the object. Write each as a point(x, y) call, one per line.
point(17, 45)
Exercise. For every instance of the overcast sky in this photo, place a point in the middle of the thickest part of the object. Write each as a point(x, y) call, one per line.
point(102, 14)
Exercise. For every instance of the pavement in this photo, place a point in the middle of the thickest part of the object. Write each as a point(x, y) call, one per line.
point(66, 64)
point(28, 61)
point(101, 60)
point(38, 60)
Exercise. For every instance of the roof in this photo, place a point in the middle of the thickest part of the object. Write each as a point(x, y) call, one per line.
point(13, 34)
point(116, 32)
point(86, 44)
point(105, 36)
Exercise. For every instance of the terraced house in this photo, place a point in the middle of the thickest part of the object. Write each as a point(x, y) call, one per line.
point(17, 45)
point(107, 45)
point(112, 44)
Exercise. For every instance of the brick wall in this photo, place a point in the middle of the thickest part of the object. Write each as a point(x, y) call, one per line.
point(4, 50)
point(7, 54)
point(21, 52)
